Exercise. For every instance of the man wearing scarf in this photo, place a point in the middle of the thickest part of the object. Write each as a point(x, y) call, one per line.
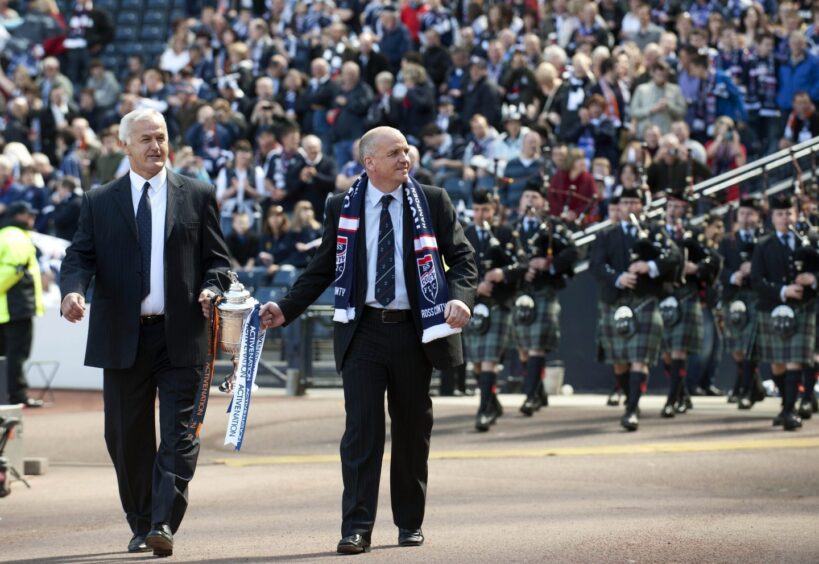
point(398, 313)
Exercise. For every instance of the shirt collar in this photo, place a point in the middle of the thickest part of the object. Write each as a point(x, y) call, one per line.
point(157, 182)
point(374, 195)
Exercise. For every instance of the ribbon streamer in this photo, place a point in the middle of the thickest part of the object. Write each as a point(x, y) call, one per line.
point(250, 353)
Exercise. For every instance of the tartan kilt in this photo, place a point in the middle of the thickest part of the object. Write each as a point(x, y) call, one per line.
point(686, 334)
point(490, 346)
point(544, 332)
point(644, 345)
point(742, 339)
point(798, 348)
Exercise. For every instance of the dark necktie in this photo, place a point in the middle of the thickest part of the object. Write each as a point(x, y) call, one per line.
point(385, 269)
point(143, 219)
point(786, 240)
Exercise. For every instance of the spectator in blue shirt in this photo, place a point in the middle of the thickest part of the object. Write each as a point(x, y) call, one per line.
point(799, 72)
point(395, 38)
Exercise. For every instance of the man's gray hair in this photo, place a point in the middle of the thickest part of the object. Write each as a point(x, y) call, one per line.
point(143, 114)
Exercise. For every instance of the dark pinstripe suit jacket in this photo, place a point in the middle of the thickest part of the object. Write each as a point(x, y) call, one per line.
point(106, 247)
point(457, 253)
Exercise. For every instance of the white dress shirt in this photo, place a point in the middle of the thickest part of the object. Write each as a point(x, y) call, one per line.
point(154, 302)
point(373, 219)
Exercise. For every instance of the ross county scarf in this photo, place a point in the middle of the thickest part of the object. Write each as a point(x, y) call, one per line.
point(432, 291)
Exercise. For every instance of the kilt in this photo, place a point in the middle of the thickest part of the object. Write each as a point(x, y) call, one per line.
point(798, 348)
point(490, 346)
point(544, 332)
point(686, 334)
point(644, 345)
point(742, 339)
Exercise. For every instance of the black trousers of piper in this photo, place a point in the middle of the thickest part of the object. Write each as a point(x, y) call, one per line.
point(15, 344)
point(153, 484)
point(385, 357)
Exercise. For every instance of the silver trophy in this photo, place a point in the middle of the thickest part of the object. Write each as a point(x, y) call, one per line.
point(235, 307)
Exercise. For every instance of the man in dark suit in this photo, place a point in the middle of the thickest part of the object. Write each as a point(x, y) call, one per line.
point(380, 348)
point(153, 242)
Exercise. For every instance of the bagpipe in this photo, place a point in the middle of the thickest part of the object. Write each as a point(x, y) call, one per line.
point(497, 255)
point(548, 241)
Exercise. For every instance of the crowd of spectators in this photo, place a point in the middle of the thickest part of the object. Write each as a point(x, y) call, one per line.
point(266, 100)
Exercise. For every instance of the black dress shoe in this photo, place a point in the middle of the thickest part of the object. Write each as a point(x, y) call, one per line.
point(529, 406)
point(630, 422)
point(667, 412)
point(745, 403)
point(681, 408)
point(733, 398)
point(484, 420)
point(137, 543)
point(779, 419)
point(160, 539)
point(805, 411)
point(410, 537)
point(699, 392)
point(712, 390)
point(31, 402)
point(543, 396)
point(791, 422)
point(353, 544)
point(613, 399)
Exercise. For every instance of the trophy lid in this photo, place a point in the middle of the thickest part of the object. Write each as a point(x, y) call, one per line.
point(236, 297)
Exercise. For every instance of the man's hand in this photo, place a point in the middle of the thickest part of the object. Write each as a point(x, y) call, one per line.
point(456, 314)
point(806, 279)
point(690, 268)
point(639, 267)
point(739, 277)
point(485, 289)
point(627, 280)
point(794, 291)
point(540, 263)
point(271, 315)
point(745, 268)
point(204, 300)
point(73, 307)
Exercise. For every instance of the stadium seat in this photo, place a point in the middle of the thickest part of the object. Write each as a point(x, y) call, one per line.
point(154, 19)
point(135, 5)
point(131, 48)
point(327, 297)
point(126, 33)
point(176, 14)
point(155, 49)
point(154, 35)
point(128, 19)
point(109, 6)
point(285, 276)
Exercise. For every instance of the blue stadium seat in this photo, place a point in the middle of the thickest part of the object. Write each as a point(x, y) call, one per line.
point(111, 62)
point(132, 48)
point(285, 276)
point(154, 19)
point(128, 19)
point(154, 35)
point(269, 294)
point(155, 49)
point(176, 14)
point(109, 6)
point(135, 5)
point(126, 33)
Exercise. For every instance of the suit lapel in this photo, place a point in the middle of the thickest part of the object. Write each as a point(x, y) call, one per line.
point(173, 202)
point(122, 191)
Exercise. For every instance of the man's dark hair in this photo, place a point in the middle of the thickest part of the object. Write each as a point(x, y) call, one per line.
point(285, 129)
point(430, 130)
point(700, 60)
point(607, 65)
point(799, 93)
point(482, 196)
point(242, 145)
point(413, 57)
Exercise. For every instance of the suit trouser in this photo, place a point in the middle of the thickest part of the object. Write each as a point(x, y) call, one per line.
point(385, 357)
point(15, 344)
point(153, 484)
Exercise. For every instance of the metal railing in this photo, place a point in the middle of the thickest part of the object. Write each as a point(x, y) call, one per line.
point(759, 170)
